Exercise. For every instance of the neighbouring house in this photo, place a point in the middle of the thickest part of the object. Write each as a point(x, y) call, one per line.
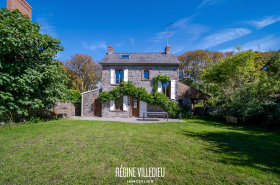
point(140, 68)
point(21, 5)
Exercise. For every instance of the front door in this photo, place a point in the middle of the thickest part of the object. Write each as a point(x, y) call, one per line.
point(135, 107)
point(98, 108)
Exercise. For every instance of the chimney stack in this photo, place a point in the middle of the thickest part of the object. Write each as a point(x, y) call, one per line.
point(21, 5)
point(167, 49)
point(110, 49)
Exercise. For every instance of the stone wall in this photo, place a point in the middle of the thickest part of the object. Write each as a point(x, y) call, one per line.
point(72, 109)
point(135, 75)
point(111, 114)
point(87, 103)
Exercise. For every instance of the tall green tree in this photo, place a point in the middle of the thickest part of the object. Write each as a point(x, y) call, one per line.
point(193, 62)
point(30, 76)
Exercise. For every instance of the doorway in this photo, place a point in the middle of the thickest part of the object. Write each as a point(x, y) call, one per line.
point(135, 107)
point(98, 108)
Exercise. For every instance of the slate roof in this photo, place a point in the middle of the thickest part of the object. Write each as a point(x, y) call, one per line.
point(140, 58)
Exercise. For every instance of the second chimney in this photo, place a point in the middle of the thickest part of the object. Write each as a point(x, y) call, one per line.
point(110, 49)
point(167, 49)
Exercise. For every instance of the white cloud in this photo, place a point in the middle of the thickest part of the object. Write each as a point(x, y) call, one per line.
point(223, 36)
point(132, 40)
point(266, 43)
point(97, 45)
point(158, 37)
point(120, 44)
point(204, 2)
point(265, 21)
point(47, 27)
point(181, 31)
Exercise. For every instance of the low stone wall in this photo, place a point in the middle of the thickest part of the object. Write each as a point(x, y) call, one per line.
point(72, 109)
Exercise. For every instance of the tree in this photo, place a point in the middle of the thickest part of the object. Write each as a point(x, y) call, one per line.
point(242, 70)
point(193, 62)
point(83, 69)
point(30, 76)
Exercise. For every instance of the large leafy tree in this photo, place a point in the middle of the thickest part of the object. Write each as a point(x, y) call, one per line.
point(83, 71)
point(242, 71)
point(30, 76)
point(193, 62)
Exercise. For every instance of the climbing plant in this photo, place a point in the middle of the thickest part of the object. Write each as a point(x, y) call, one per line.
point(162, 79)
point(156, 98)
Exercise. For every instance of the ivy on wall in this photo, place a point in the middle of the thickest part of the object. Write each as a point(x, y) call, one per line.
point(156, 98)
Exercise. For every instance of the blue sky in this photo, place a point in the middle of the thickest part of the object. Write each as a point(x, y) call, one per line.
point(89, 26)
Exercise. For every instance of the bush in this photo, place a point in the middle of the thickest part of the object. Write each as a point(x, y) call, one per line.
point(186, 111)
point(75, 96)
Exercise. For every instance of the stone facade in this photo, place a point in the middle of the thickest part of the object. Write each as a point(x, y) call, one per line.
point(135, 75)
point(21, 5)
point(111, 114)
point(87, 102)
point(72, 109)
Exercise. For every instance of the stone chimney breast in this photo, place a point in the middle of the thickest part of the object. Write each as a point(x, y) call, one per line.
point(110, 49)
point(167, 49)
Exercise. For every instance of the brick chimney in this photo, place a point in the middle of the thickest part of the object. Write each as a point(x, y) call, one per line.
point(167, 49)
point(21, 5)
point(110, 49)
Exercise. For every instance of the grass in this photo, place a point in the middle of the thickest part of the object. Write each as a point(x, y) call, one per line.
point(88, 152)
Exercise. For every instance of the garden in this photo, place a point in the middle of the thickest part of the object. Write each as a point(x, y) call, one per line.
point(88, 152)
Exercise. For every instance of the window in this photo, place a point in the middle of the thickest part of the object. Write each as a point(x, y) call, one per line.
point(119, 103)
point(125, 56)
point(146, 74)
point(119, 76)
point(166, 89)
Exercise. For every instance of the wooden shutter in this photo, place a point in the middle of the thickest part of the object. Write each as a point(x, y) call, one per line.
point(150, 74)
point(125, 75)
point(112, 105)
point(142, 77)
point(159, 86)
point(112, 76)
point(125, 103)
point(173, 90)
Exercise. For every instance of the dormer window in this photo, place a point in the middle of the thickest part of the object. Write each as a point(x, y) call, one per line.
point(125, 56)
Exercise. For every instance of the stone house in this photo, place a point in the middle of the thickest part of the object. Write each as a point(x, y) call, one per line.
point(140, 68)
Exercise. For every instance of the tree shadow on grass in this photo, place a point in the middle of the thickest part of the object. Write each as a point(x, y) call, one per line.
point(243, 149)
point(233, 126)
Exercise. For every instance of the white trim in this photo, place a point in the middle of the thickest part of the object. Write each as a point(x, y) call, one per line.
point(82, 115)
point(125, 103)
point(125, 75)
point(159, 86)
point(112, 105)
point(173, 90)
point(142, 108)
point(90, 91)
point(112, 76)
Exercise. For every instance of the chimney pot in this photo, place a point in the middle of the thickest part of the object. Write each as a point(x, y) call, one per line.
point(110, 49)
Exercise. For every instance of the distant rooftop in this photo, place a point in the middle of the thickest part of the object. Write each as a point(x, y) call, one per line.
point(157, 58)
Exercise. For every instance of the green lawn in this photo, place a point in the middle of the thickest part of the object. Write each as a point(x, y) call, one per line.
point(88, 152)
